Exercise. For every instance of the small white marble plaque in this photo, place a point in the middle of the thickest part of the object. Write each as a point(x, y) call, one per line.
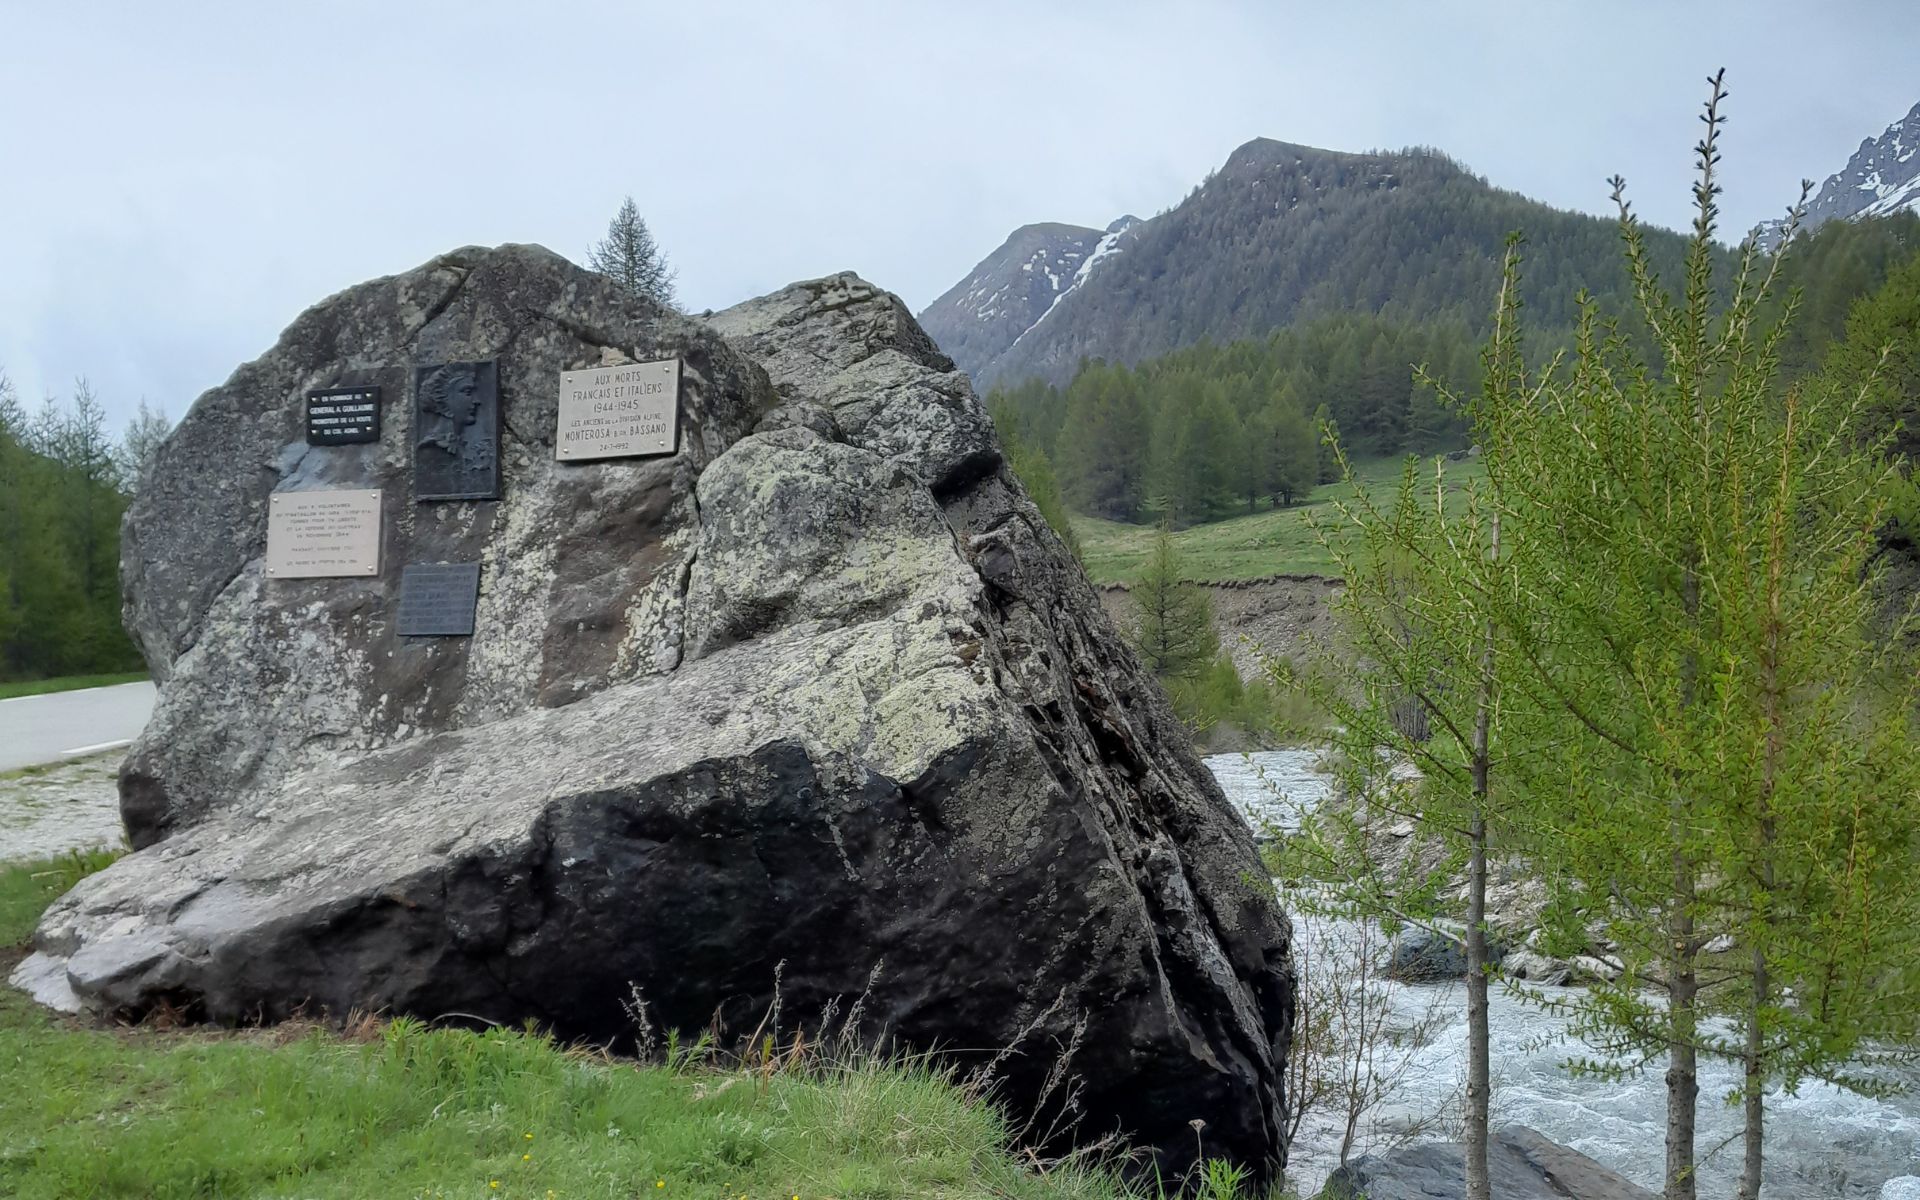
point(618, 412)
point(312, 535)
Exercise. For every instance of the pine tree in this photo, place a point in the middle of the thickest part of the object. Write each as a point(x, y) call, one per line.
point(1660, 614)
point(138, 445)
point(60, 510)
point(13, 491)
point(1422, 686)
point(1291, 446)
point(1716, 714)
point(1212, 454)
point(86, 455)
point(1032, 467)
point(629, 256)
point(1173, 477)
point(1101, 447)
point(1327, 463)
point(1173, 619)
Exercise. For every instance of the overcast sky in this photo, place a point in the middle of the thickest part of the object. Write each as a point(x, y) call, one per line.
point(182, 179)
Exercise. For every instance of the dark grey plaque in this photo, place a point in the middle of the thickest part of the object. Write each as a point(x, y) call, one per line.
point(456, 432)
point(343, 415)
point(438, 599)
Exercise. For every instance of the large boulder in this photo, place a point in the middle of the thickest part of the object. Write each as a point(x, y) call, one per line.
point(816, 706)
point(1521, 1165)
point(585, 565)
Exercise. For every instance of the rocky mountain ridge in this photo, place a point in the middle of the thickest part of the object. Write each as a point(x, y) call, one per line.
point(1882, 178)
point(1280, 233)
point(1019, 285)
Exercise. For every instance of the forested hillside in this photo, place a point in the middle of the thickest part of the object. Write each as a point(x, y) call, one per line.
point(64, 482)
point(1214, 430)
point(1877, 354)
point(1282, 234)
point(1832, 269)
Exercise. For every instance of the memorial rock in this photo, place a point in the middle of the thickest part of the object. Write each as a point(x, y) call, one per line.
point(817, 699)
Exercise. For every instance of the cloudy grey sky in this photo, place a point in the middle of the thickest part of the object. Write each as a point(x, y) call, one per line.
point(182, 179)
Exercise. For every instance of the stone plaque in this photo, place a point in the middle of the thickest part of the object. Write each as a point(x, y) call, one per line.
point(438, 599)
point(456, 431)
point(342, 415)
point(313, 535)
point(618, 412)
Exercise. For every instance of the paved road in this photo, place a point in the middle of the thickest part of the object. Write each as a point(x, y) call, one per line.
point(41, 729)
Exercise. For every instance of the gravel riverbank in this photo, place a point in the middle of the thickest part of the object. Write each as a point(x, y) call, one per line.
point(49, 810)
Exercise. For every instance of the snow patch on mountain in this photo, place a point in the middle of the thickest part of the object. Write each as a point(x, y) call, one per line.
point(1882, 178)
point(1110, 244)
point(1017, 286)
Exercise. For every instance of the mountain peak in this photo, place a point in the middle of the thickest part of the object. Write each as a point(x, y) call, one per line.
point(1263, 153)
point(1017, 286)
point(1280, 233)
point(1265, 150)
point(1049, 229)
point(1882, 178)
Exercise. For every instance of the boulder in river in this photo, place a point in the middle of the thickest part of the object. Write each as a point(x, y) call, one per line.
point(1533, 967)
point(817, 698)
point(1522, 1166)
point(1437, 954)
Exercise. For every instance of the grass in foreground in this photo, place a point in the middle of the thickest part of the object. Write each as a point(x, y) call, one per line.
point(66, 683)
point(1255, 546)
point(406, 1111)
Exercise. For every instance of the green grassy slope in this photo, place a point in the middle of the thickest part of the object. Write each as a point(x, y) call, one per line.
point(1256, 546)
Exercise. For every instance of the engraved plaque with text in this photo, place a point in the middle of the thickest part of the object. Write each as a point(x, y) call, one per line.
point(438, 599)
point(618, 412)
point(315, 535)
point(343, 415)
point(456, 432)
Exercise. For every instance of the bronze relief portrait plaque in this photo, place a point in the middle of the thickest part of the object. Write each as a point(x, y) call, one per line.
point(456, 431)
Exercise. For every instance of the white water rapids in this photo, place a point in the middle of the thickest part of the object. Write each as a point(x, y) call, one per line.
point(1821, 1142)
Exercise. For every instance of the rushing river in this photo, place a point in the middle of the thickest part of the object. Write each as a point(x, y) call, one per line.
point(1821, 1142)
